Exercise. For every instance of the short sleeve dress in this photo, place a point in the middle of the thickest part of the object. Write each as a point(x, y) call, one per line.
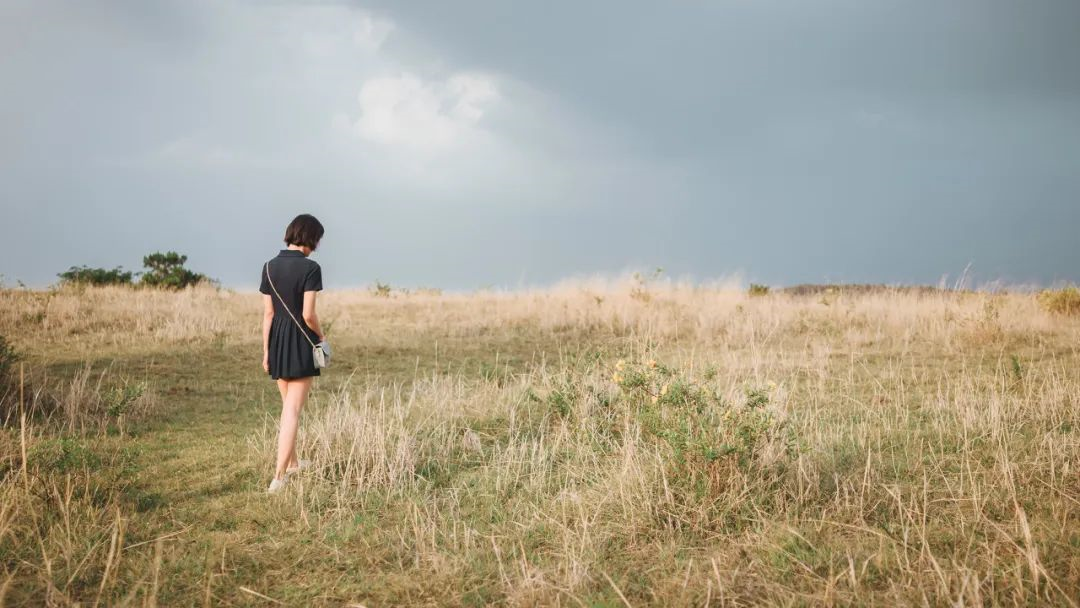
point(292, 274)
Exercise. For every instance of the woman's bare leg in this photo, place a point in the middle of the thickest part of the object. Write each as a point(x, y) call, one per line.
point(283, 388)
point(295, 396)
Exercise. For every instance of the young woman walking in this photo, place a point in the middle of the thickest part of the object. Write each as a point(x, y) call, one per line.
point(289, 283)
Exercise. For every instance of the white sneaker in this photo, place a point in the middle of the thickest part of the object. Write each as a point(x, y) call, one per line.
point(276, 485)
point(301, 465)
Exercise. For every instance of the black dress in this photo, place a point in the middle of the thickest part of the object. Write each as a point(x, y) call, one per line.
point(293, 274)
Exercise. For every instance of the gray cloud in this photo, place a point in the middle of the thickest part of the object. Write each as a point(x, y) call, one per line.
point(477, 143)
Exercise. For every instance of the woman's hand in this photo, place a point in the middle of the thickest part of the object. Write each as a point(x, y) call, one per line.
point(266, 362)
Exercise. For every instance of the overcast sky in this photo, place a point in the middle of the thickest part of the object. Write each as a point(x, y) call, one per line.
point(466, 144)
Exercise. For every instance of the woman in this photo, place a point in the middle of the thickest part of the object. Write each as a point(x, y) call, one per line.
point(289, 282)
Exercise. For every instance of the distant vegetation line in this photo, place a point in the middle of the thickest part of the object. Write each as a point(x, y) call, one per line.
point(163, 270)
point(167, 270)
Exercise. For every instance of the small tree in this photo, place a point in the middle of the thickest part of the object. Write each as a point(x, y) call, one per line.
point(84, 275)
point(167, 270)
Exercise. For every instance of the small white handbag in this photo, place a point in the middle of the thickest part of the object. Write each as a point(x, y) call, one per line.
point(320, 351)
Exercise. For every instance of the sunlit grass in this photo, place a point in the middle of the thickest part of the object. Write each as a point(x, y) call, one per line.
point(590, 444)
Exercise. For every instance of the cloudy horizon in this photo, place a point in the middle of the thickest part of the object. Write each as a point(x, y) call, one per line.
point(486, 144)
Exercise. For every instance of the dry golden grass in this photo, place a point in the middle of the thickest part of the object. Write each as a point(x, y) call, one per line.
point(603, 443)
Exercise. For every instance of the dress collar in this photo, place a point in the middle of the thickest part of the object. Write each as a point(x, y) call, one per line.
point(285, 253)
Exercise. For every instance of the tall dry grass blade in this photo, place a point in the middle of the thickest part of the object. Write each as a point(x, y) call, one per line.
point(622, 597)
point(151, 600)
point(260, 595)
point(6, 585)
point(115, 547)
point(22, 424)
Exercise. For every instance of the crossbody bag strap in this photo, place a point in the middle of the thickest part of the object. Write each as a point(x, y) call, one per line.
point(286, 306)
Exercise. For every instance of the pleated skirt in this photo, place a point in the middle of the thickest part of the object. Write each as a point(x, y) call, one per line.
point(290, 353)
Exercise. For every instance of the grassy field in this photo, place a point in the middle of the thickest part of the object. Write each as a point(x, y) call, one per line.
point(588, 445)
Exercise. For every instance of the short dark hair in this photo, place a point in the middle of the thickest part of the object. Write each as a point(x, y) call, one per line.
point(304, 231)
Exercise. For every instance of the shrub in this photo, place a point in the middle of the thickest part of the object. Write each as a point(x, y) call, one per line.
point(62, 455)
point(758, 290)
point(84, 275)
point(1064, 301)
point(713, 440)
point(167, 270)
point(122, 398)
point(381, 290)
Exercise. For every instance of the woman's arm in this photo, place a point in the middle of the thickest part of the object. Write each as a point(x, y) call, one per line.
point(268, 317)
point(310, 317)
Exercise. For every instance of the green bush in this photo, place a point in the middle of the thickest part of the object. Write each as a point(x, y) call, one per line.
point(166, 270)
point(62, 455)
point(122, 398)
point(84, 275)
point(163, 270)
point(711, 438)
point(1064, 301)
point(758, 290)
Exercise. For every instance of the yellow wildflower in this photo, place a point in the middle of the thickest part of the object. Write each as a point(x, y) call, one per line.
point(620, 364)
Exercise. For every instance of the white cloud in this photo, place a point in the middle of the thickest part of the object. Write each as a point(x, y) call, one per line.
point(407, 110)
point(372, 32)
point(474, 93)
